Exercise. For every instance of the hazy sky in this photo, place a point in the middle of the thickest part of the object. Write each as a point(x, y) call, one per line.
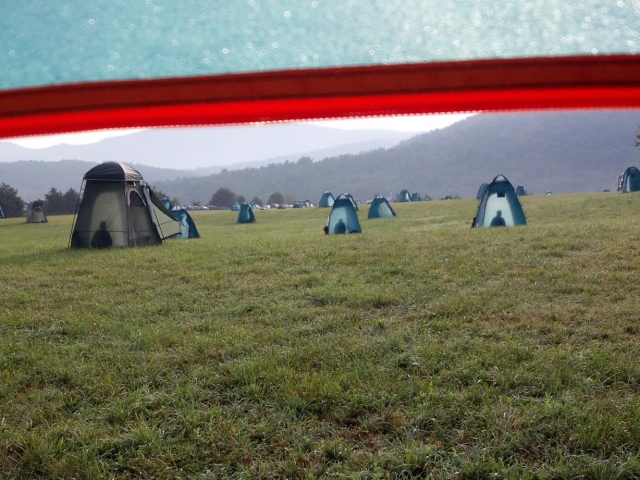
point(415, 123)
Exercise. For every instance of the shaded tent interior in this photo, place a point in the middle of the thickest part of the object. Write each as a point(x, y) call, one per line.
point(245, 215)
point(499, 206)
point(404, 196)
point(380, 208)
point(630, 181)
point(188, 227)
point(343, 217)
point(36, 212)
point(118, 209)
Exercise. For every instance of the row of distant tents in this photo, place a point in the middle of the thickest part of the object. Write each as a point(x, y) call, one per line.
point(118, 209)
point(327, 200)
point(499, 207)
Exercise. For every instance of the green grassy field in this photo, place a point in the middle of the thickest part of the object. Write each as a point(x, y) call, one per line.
point(418, 348)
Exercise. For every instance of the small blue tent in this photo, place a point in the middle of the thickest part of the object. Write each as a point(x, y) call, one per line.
point(245, 215)
point(326, 200)
point(499, 206)
point(1, 213)
point(415, 197)
point(521, 191)
point(404, 196)
point(343, 217)
point(380, 208)
point(188, 227)
point(630, 181)
point(236, 207)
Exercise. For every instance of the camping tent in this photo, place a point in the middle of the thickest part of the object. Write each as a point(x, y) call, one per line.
point(118, 209)
point(245, 215)
point(236, 207)
point(630, 181)
point(188, 227)
point(326, 200)
point(343, 217)
point(404, 196)
point(481, 190)
point(380, 208)
point(415, 197)
point(521, 191)
point(1, 213)
point(499, 206)
point(35, 212)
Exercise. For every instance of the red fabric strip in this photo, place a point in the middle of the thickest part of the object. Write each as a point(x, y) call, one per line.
point(487, 85)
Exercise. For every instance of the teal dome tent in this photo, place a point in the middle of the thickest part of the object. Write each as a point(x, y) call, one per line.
point(404, 196)
point(326, 200)
point(499, 206)
point(343, 217)
point(245, 215)
point(380, 208)
point(630, 181)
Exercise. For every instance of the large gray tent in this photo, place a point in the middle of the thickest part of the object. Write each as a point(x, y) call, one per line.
point(118, 209)
point(35, 212)
point(499, 206)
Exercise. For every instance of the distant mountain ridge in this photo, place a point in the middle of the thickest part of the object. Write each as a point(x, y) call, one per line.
point(223, 147)
point(558, 152)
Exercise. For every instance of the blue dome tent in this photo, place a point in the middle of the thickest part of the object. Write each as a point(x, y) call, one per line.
point(326, 200)
point(499, 206)
point(380, 208)
point(404, 196)
point(630, 181)
point(245, 215)
point(343, 217)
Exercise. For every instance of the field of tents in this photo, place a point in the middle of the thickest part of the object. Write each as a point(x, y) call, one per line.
point(271, 350)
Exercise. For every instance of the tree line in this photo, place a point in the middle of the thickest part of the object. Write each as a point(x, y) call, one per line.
point(225, 197)
point(55, 202)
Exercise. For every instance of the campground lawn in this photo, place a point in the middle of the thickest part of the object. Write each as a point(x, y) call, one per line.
point(418, 348)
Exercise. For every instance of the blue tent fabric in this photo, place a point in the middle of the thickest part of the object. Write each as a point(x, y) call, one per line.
point(343, 217)
point(350, 197)
point(404, 196)
point(521, 191)
point(380, 208)
point(1, 213)
point(326, 201)
point(481, 190)
point(499, 206)
point(415, 197)
point(236, 207)
point(188, 227)
point(245, 215)
point(630, 180)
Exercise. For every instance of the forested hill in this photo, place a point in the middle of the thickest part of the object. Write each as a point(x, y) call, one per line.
point(560, 152)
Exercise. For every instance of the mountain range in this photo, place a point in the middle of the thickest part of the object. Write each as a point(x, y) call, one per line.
point(555, 151)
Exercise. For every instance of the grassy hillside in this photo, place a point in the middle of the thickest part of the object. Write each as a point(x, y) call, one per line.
point(419, 347)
